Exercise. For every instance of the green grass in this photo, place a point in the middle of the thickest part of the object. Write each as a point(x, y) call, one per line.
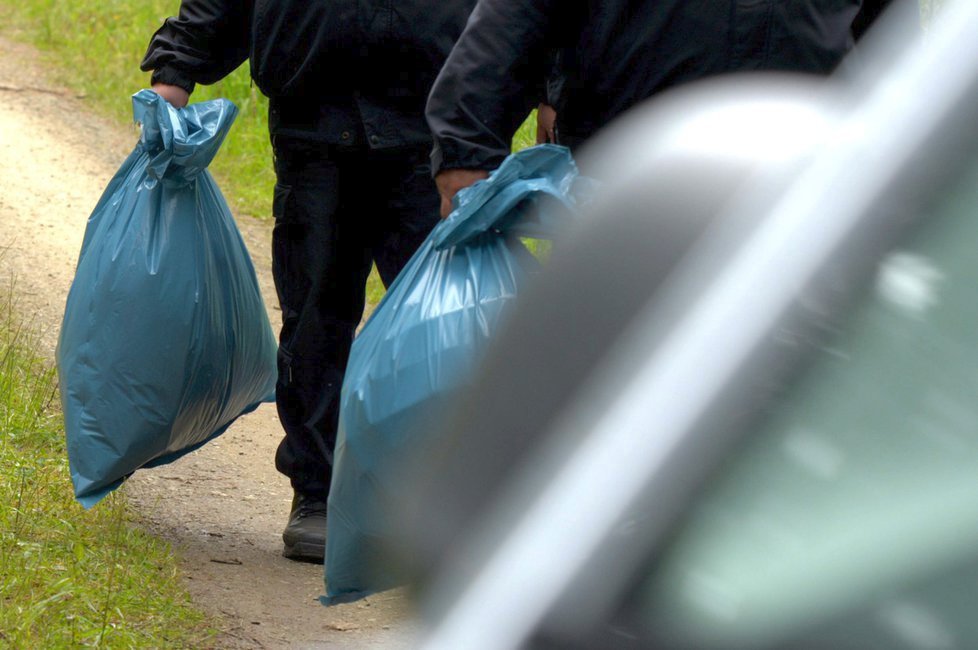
point(526, 135)
point(71, 578)
point(97, 47)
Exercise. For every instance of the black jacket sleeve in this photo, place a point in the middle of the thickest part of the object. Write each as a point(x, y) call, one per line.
point(203, 44)
point(490, 82)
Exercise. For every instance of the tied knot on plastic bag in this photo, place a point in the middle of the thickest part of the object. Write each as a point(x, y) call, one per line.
point(181, 142)
point(508, 201)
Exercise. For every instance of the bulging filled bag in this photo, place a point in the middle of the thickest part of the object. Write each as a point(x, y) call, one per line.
point(423, 343)
point(165, 339)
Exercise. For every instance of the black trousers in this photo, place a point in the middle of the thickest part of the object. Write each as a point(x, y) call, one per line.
point(337, 211)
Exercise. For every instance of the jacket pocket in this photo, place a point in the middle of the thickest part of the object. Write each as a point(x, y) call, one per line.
point(287, 229)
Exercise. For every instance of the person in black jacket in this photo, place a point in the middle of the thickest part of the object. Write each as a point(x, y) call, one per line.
point(613, 54)
point(347, 83)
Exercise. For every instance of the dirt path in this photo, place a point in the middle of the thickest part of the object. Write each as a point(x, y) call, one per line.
point(223, 507)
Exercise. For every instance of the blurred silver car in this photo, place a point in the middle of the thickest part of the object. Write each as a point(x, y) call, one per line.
point(739, 408)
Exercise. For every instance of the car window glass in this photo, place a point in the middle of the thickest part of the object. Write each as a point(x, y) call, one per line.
point(862, 483)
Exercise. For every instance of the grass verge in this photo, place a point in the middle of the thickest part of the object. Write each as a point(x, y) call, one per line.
point(71, 578)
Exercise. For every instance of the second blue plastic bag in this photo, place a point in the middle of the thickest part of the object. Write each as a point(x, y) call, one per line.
point(165, 339)
point(424, 342)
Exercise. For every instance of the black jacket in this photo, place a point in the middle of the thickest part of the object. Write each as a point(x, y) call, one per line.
point(614, 53)
point(334, 71)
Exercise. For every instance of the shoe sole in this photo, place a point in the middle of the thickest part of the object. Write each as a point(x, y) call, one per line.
point(304, 552)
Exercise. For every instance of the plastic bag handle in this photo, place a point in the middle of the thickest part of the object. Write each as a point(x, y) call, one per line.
point(181, 142)
point(506, 202)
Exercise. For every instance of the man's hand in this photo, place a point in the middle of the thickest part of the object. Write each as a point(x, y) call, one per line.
point(176, 95)
point(546, 120)
point(450, 181)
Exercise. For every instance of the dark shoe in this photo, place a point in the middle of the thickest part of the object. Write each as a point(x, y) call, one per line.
point(305, 535)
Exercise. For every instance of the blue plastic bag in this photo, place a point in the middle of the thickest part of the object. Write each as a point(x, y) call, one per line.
point(423, 343)
point(165, 338)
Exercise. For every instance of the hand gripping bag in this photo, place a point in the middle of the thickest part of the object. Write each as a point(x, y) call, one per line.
point(423, 343)
point(165, 338)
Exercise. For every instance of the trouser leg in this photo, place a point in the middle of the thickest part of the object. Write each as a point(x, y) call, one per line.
point(320, 264)
point(410, 210)
point(334, 215)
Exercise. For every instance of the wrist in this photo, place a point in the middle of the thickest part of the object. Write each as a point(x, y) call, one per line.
point(172, 77)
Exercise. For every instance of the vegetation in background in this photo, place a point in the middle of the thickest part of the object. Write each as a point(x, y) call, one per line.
point(526, 135)
point(71, 578)
point(97, 46)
